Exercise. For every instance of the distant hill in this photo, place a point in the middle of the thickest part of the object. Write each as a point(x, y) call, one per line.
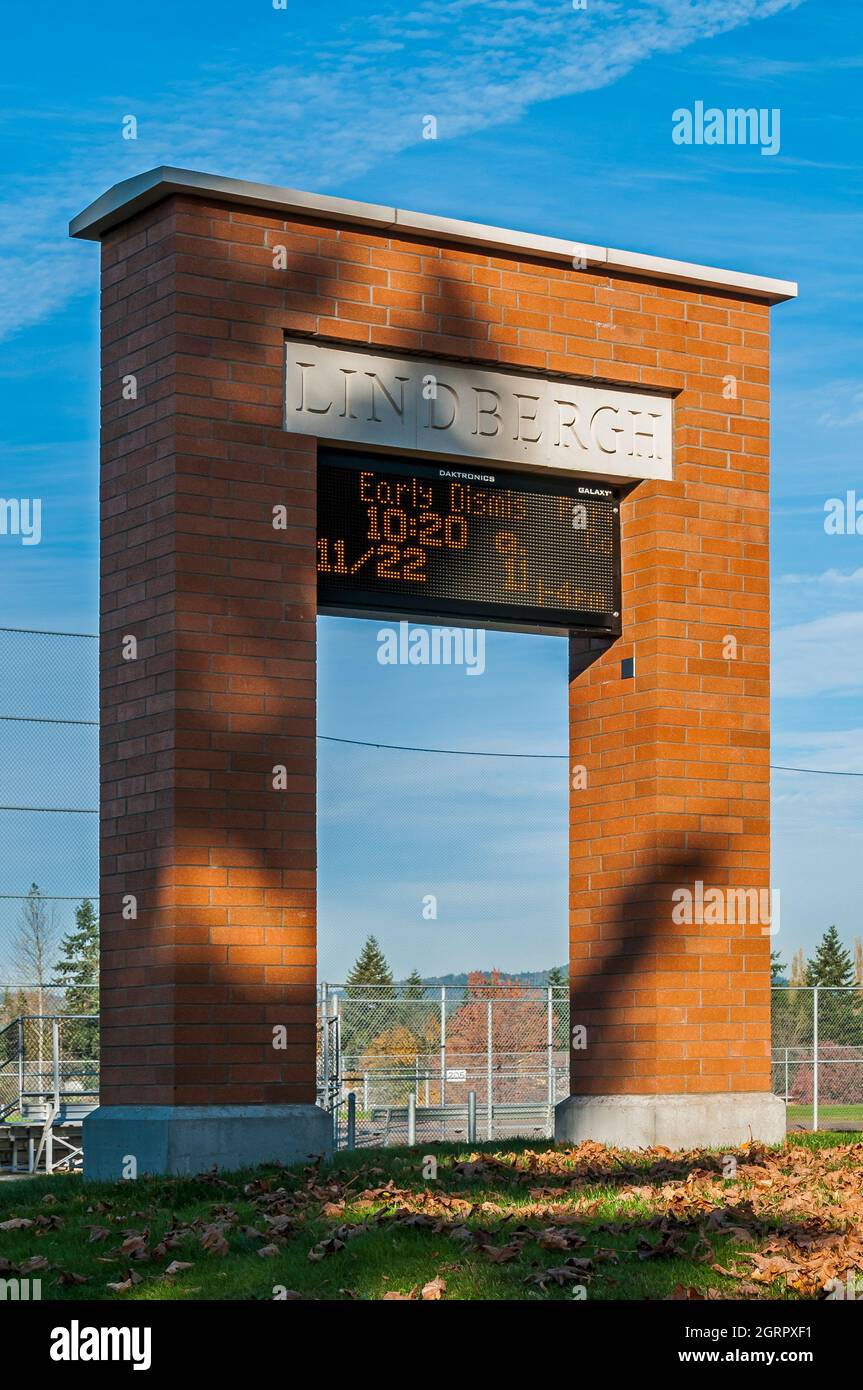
point(524, 977)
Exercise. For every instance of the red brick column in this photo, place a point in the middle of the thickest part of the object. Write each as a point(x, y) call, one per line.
point(207, 867)
point(676, 783)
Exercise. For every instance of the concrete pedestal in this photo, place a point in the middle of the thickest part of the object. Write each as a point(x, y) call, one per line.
point(718, 1120)
point(195, 1138)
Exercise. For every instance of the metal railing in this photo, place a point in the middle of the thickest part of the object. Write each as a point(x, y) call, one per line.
point(817, 1053)
point(507, 1046)
point(48, 1061)
point(416, 1063)
point(412, 1060)
point(49, 1080)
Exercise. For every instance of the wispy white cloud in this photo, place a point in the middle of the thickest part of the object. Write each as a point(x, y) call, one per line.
point(342, 105)
point(821, 657)
point(844, 405)
point(766, 69)
point(831, 578)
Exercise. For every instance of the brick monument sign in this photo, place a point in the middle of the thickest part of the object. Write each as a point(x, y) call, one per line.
point(313, 404)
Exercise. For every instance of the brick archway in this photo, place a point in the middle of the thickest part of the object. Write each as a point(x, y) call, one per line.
point(220, 950)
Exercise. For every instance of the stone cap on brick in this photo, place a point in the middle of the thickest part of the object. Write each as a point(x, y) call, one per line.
point(132, 195)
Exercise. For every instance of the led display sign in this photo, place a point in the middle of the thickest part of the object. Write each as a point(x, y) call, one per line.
point(489, 546)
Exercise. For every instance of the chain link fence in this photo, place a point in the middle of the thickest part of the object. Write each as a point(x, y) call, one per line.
point(411, 1063)
point(48, 1062)
point(817, 1041)
point(49, 795)
point(504, 1044)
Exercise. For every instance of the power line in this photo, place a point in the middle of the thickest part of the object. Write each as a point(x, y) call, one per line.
point(48, 897)
point(410, 748)
point(562, 757)
point(459, 752)
point(327, 738)
point(817, 771)
point(35, 719)
point(42, 632)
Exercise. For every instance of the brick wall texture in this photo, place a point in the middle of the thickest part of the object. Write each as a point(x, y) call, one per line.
point(222, 690)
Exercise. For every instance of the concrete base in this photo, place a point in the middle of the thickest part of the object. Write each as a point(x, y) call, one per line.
point(195, 1138)
point(714, 1121)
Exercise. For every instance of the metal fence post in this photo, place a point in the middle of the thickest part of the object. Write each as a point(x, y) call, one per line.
point(55, 1059)
point(442, 1059)
point(325, 1045)
point(786, 1076)
point(815, 1058)
point(352, 1120)
point(20, 1063)
point(550, 1069)
point(336, 1054)
point(471, 1117)
point(489, 1114)
point(412, 1120)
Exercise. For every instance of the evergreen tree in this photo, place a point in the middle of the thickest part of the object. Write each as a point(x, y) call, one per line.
point(78, 971)
point(370, 968)
point(777, 969)
point(416, 1010)
point(559, 982)
point(840, 1006)
point(832, 965)
point(366, 1010)
point(414, 987)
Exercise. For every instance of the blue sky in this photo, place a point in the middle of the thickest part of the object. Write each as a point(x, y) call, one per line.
point(550, 119)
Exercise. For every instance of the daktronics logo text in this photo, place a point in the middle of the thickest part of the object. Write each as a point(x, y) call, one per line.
point(77, 1343)
point(468, 477)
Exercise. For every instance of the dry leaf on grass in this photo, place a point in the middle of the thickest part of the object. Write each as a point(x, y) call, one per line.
point(135, 1246)
point(124, 1285)
point(324, 1248)
point(575, 1271)
point(433, 1290)
point(213, 1240)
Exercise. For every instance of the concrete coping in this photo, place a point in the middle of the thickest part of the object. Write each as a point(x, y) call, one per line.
point(143, 190)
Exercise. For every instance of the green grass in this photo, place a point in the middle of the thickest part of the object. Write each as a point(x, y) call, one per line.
point(837, 1114)
point(589, 1188)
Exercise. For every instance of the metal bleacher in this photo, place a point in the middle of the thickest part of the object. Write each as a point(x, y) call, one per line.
point(48, 1084)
